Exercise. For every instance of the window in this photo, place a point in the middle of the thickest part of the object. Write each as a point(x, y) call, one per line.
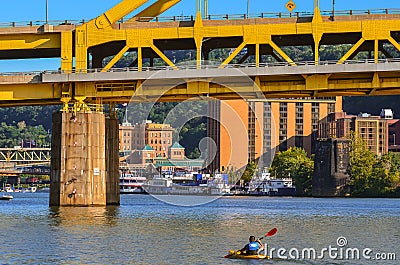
point(314, 116)
point(299, 119)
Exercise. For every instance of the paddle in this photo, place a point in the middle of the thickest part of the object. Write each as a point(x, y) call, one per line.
point(270, 233)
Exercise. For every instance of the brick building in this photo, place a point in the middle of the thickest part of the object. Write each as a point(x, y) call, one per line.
point(331, 162)
point(374, 130)
point(125, 138)
point(158, 136)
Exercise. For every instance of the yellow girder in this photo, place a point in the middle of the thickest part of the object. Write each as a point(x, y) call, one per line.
point(233, 54)
point(117, 12)
point(29, 92)
point(151, 39)
point(259, 33)
point(31, 41)
point(278, 86)
point(115, 59)
point(154, 10)
point(351, 51)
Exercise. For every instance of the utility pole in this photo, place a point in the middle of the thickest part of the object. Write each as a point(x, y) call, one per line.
point(248, 8)
point(198, 6)
point(205, 9)
point(47, 11)
point(316, 4)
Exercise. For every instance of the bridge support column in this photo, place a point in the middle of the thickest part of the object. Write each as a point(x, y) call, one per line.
point(112, 162)
point(82, 142)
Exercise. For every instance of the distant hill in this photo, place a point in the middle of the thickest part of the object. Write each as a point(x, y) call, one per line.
point(31, 115)
point(372, 104)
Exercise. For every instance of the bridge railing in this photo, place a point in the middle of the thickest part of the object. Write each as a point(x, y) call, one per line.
point(41, 23)
point(382, 11)
point(385, 11)
point(192, 66)
point(215, 66)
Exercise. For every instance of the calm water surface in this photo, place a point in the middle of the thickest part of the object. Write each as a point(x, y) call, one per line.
point(144, 230)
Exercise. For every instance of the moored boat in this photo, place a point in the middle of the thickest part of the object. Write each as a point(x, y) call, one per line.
point(8, 188)
point(6, 197)
point(31, 189)
point(158, 185)
point(216, 186)
point(264, 185)
point(129, 183)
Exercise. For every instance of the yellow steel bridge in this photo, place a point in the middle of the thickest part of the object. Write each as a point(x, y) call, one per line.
point(89, 52)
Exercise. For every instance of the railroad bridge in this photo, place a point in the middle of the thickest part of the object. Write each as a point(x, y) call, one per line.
point(85, 140)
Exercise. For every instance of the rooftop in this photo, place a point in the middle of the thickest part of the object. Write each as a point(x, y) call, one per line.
point(176, 145)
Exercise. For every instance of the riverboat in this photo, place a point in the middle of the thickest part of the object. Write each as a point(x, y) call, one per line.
point(8, 188)
point(158, 185)
point(31, 189)
point(6, 197)
point(219, 185)
point(216, 186)
point(131, 184)
point(267, 186)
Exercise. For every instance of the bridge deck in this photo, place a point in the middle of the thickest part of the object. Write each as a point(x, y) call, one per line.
point(259, 45)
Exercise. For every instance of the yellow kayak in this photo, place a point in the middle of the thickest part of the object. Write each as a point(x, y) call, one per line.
point(238, 255)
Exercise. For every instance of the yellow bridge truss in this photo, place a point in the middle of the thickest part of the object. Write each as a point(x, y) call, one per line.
point(89, 49)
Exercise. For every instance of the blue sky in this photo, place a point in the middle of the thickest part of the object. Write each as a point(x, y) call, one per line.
point(34, 10)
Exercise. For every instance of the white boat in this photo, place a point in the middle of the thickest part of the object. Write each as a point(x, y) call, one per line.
point(31, 189)
point(164, 185)
point(8, 188)
point(130, 183)
point(47, 189)
point(158, 185)
point(189, 189)
point(219, 185)
point(267, 186)
point(6, 197)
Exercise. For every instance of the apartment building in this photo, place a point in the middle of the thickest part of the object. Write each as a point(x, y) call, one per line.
point(374, 130)
point(254, 130)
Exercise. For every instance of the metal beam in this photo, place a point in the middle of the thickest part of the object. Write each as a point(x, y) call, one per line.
point(154, 10)
point(162, 56)
point(281, 53)
point(116, 58)
point(351, 51)
point(394, 43)
point(114, 14)
point(233, 54)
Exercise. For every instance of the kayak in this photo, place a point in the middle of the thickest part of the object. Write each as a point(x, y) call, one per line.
point(238, 255)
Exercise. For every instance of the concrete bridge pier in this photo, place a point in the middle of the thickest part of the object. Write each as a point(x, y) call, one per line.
point(84, 161)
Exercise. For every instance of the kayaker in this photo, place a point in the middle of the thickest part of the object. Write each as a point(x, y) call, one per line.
point(253, 247)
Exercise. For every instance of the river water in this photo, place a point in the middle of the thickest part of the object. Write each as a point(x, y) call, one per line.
point(145, 230)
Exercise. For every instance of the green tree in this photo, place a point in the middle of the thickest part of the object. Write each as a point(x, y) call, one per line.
point(296, 164)
point(385, 175)
point(362, 164)
point(249, 172)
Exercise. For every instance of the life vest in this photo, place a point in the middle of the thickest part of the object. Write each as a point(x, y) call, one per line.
point(253, 246)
